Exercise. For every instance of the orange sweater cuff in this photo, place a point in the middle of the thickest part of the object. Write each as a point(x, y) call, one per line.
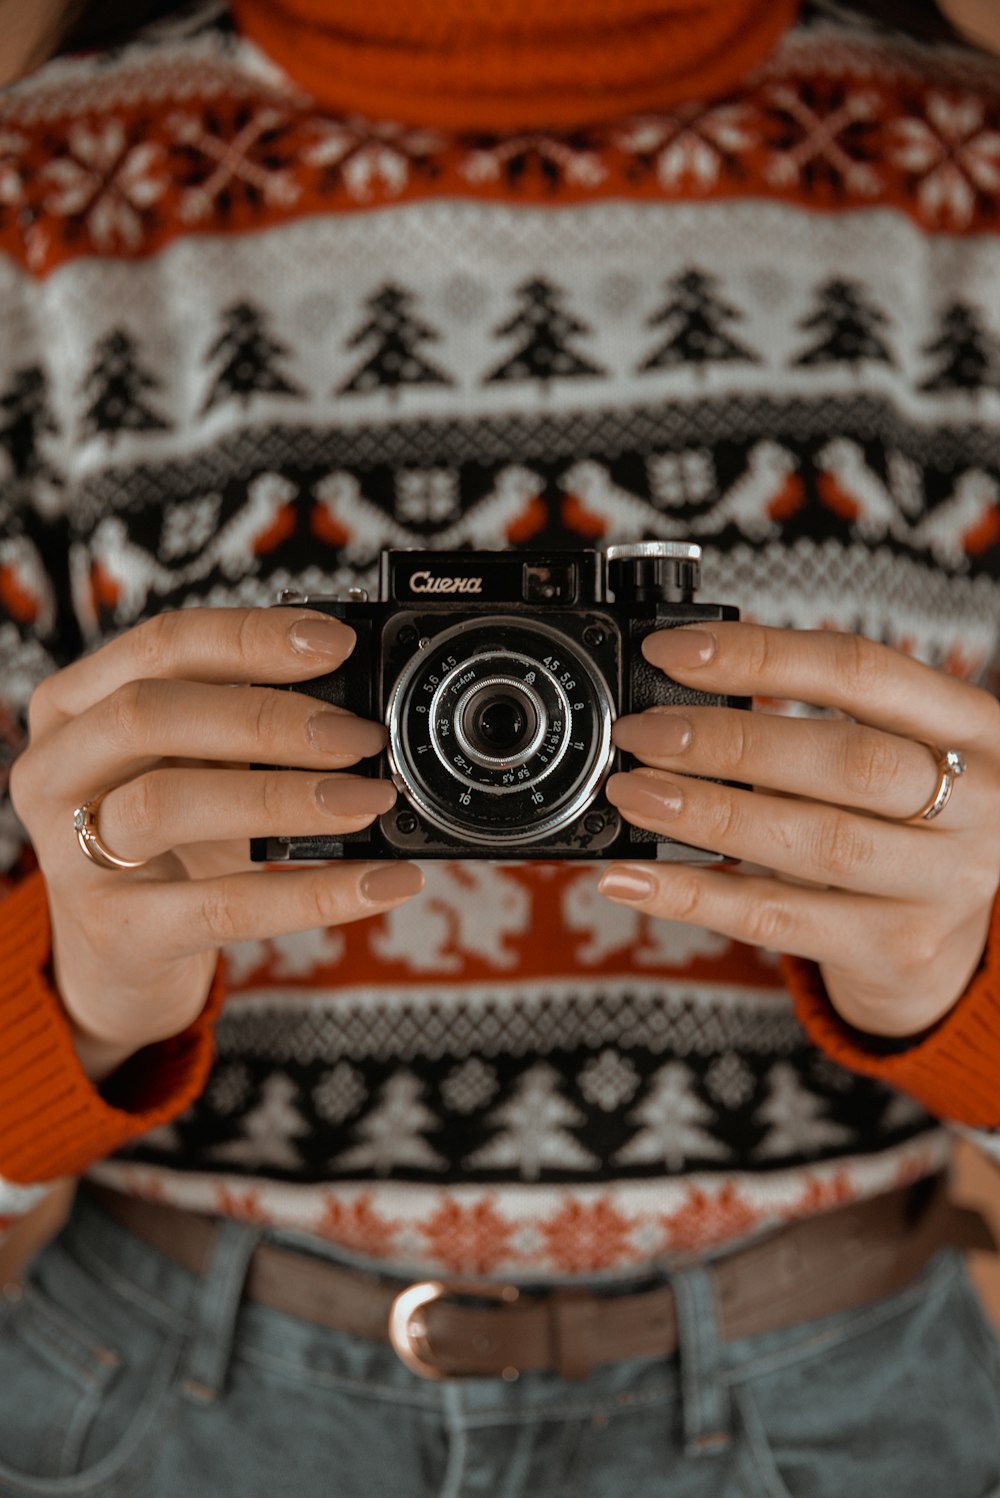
point(53, 1120)
point(954, 1072)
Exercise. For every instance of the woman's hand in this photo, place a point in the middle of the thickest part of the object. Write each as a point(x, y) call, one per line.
point(29, 33)
point(895, 913)
point(164, 719)
point(976, 19)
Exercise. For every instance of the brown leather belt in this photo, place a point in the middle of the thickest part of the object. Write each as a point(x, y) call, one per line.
point(830, 1262)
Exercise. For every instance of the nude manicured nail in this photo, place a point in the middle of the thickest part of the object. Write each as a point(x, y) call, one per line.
point(679, 647)
point(321, 637)
point(353, 796)
point(644, 796)
point(653, 734)
point(339, 733)
point(395, 881)
point(627, 884)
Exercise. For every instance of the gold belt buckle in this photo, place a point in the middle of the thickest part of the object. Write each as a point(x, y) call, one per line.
point(408, 1323)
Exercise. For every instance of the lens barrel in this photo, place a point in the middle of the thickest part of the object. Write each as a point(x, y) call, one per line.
point(500, 730)
point(500, 722)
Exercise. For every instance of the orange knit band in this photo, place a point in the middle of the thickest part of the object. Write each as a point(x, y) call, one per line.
point(479, 65)
point(53, 1121)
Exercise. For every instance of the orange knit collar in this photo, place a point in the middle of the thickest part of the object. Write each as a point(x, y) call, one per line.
point(513, 64)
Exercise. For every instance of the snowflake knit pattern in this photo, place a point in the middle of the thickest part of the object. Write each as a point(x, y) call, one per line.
point(251, 341)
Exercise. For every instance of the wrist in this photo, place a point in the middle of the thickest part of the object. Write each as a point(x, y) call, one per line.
point(99, 1058)
point(887, 1020)
point(914, 1007)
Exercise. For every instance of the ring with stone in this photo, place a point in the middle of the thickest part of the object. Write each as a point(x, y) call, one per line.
point(85, 823)
point(950, 765)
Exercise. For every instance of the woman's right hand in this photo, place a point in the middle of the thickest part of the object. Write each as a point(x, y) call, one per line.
point(164, 719)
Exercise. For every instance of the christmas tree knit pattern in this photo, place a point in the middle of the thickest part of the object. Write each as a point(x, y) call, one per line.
point(287, 339)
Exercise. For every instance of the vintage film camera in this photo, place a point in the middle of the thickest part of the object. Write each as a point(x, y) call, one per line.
point(498, 675)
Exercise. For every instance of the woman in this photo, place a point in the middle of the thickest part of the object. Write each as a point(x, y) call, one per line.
point(285, 286)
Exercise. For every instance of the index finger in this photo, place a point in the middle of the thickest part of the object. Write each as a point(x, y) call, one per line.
point(873, 683)
point(220, 646)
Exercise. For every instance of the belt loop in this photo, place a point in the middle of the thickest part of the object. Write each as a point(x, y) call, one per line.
point(704, 1394)
point(217, 1305)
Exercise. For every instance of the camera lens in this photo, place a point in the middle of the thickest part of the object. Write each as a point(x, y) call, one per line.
point(502, 724)
point(497, 722)
point(500, 730)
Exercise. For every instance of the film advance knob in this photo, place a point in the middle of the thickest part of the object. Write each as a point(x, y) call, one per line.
point(654, 571)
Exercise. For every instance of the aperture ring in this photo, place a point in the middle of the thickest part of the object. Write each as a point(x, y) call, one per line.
point(490, 778)
point(456, 797)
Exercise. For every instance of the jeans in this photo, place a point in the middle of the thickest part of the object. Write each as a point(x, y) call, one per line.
point(124, 1376)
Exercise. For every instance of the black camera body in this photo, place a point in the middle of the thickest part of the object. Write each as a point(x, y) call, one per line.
point(498, 675)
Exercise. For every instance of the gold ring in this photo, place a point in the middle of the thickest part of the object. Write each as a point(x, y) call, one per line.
point(85, 822)
point(950, 765)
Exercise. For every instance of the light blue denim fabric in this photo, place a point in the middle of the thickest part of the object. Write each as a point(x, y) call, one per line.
point(122, 1376)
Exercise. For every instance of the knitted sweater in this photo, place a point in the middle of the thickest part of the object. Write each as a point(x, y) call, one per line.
point(247, 343)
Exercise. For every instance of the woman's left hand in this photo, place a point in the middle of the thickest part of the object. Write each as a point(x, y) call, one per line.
point(894, 911)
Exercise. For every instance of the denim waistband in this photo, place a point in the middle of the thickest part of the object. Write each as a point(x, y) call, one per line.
point(218, 1325)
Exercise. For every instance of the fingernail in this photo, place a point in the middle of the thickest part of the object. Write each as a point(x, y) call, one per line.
point(626, 884)
point(644, 796)
point(340, 733)
point(679, 647)
point(354, 796)
point(395, 881)
point(653, 733)
point(321, 637)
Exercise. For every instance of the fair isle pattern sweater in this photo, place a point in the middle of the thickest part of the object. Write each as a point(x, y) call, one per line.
point(247, 344)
